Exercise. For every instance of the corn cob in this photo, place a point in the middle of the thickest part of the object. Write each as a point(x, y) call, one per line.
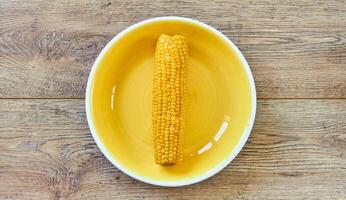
point(168, 104)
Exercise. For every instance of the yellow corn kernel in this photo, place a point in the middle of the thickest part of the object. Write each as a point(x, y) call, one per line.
point(168, 104)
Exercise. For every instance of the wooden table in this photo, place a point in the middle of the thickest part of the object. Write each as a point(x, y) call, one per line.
point(297, 53)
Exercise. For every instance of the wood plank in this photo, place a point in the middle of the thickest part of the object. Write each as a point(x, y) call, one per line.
point(296, 151)
point(295, 49)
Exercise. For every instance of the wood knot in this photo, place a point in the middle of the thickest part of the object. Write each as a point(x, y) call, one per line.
point(63, 186)
point(87, 47)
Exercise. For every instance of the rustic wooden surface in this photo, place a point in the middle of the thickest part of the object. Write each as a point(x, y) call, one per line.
point(296, 50)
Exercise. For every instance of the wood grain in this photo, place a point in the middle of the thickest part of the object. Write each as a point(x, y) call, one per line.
point(297, 53)
point(296, 151)
point(296, 49)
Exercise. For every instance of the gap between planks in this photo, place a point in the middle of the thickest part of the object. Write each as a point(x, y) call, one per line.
point(74, 98)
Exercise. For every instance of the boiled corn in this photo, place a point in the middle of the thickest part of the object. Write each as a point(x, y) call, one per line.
point(168, 104)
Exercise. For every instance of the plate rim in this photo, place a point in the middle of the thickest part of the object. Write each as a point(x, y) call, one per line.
point(219, 166)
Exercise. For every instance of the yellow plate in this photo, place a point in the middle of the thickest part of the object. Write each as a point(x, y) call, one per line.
point(221, 101)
